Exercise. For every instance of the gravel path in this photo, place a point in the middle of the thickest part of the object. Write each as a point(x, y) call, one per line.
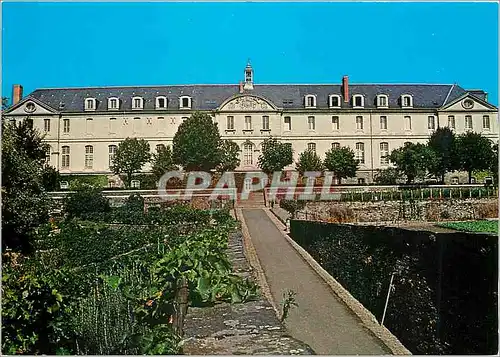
point(321, 319)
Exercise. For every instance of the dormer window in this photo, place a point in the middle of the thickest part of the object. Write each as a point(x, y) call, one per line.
point(406, 101)
point(335, 101)
point(185, 102)
point(382, 101)
point(113, 103)
point(358, 101)
point(137, 103)
point(161, 102)
point(310, 101)
point(90, 104)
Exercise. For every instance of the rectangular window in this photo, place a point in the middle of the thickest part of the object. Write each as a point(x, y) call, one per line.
point(384, 153)
point(65, 125)
point(185, 102)
point(137, 103)
point(311, 146)
point(406, 101)
point(265, 122)
point(65, 157)
point(383, 123)
point(113, 104)
point(358, 101)
point(468, 122)
point(382, 101)
point(47, 155)
point(89, 123)
point(407, 120)
point(46, 125)
point(360, 153)
point(112, 125)
point(451, 121)
point(486, 122)
point(310, 101)
point(89, 156)
point(230, 123)
point(137, 125)
point(431, 124)
point(335, 123)
point(112, 153)
point(335, 101)
point(312, 123)
point(359, 123)
point(288, 123)
point(335, 145)
point(248, 123)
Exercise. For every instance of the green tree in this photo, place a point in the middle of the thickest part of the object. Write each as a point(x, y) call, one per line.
point(388, 176)
point(308, 161)
point(494, 163)
point(442, 142)
point(5, 103)
point(50, 178)
point(229, 156)
point(24, 201)
point(341, 162)
point(414, 160)
point(473, 152)
point(162, 162)
point(275, 155)
point(130, 157)
point(196, 143)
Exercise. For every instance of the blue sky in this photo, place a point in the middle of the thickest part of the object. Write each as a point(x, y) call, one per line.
point(97, 44)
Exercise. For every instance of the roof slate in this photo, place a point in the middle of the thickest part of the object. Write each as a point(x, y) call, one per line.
point(207, 97)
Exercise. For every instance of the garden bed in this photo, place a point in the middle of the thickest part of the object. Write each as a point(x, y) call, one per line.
point(484, 226)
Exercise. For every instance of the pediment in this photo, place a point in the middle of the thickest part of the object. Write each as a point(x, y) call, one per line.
point(247, 103)
point(468, 103)
point(30, 106)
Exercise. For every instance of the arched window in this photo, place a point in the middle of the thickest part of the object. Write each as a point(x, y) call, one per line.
point(406, 101)
point(335, 145)
point(160, 147)
point(113, 103)
point(90, 104)
point(185, 102)
point(382, 101)
point(335, 101)
point(161, 102)
point(407, 121)
point(358, 101)
point(311, 147)
point(359, 123)
point(310, 101)
point(137, 103)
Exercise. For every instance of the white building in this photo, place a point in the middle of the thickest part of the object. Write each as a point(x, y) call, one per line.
point(84, 125)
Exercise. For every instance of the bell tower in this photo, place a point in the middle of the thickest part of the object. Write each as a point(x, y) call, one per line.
point(248, 76)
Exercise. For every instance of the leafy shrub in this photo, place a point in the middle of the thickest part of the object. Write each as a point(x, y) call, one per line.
point(292, 206)
point(135, 202)
point(35, 313)
point(86, 203)
point(487, 210)
point(340, 214)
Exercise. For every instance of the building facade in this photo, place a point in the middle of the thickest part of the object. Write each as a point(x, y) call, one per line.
point(84, 126)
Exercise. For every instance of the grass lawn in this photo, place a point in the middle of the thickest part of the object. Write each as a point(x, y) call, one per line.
point(473, 226)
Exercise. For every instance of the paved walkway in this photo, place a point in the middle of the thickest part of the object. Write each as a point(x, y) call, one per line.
point(320, 320)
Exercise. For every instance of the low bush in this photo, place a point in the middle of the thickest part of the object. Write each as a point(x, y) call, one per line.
point(86, 203)
point(292, 206)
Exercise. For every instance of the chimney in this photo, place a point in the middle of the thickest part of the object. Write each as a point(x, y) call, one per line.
point(345, 88)
point(241, 86)
point(17, 93)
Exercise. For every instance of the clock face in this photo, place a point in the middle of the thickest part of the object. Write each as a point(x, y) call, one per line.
point(29, 108)
point(468, 103)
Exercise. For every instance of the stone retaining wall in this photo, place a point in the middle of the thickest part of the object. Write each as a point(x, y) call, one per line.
point(442, 210)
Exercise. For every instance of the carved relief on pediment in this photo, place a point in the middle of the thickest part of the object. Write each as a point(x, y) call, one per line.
point(247, 103)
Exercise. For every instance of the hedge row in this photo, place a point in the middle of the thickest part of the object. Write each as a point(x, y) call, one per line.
point(444, 298)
